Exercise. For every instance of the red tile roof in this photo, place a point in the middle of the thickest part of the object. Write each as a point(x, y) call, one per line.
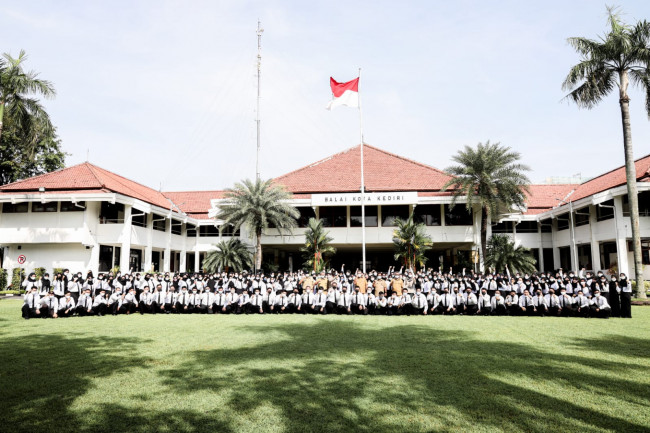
point(194, 203)
point(613, 179)
point(544, 197)
point(384, 171)
point(86, 176)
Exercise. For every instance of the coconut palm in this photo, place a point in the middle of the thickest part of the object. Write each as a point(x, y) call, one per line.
point(16, 103)
point(232, 254)
point(258, 205)
point(620, 56)
point(502, 253)
point(411, 242)
point(317, 245)
point(491, 177)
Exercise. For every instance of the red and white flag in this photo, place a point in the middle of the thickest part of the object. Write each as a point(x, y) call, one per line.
point(344, 93)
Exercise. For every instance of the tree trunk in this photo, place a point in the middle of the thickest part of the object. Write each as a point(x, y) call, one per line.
point(2, 113)
point(630, 174)
point(258, 251)
point(484, 220)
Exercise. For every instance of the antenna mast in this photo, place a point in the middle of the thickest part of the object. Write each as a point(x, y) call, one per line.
point(259, 70)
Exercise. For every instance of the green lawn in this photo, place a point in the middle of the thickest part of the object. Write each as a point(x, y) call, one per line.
point(323, 374)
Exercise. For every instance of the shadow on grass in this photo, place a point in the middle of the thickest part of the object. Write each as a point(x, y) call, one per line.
point(617, 345)
point(338, 376)
point(54, 370)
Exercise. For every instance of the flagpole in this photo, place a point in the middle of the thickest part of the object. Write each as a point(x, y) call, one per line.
point(363, 188)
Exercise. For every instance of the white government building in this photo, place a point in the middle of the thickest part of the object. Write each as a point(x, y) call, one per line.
point(87, 218)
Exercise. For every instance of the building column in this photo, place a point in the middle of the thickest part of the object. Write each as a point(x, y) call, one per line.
point(125, 238)
point(478, 220)
point(148, 249)
point(540, 268)
point(620, 236)
point(168, 248)
point(197, 259)
point(595, 245)
point(183, 263)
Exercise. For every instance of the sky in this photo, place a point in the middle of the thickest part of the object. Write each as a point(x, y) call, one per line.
point(164, 92)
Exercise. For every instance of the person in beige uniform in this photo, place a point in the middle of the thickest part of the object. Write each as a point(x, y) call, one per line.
point(362, 282)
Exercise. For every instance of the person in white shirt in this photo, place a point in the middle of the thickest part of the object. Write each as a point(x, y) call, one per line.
point(498, 304)
point(419, 303)
point(66, 305)
point(243, 304)
point(99, 304)
point(447, 305)
point(566, 304)
point(582, 304)
point(433, 302)
point(540, 303)
point(294, 302)
point(552, 302)
point(307, 301)
point(526, 305)
point(320, 302)
point(146, 298)
point(343, 302)
point(220, 302)
point(206, 299)
point(31, 303)
point(280, 302)
point(371, 303)
point(49, 306)
point(332, 296)
point(485, 302)
point(30, 282)
point(358, 302)
point(128, 303)
point(85, 304)
point(471, 302)
point(256, 303)
point(268, 298)
point(599, 306)
point(381, 304)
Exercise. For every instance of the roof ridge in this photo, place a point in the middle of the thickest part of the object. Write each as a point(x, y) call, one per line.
point(92, 167)
point(407, 159)
point(191, 191)
point(121, 180)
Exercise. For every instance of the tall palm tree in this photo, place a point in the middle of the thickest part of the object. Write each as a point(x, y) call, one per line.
point(317, 245)
point(411, 242)
point(231, 254)
point(16, 104)
point(502, 254)
point(258, 205)
point(620, 56)
point(491, 177)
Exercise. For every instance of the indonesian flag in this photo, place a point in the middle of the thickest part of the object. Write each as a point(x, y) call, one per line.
point(344, 93)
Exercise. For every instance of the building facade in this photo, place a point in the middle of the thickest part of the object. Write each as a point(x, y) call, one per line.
point(87, 218)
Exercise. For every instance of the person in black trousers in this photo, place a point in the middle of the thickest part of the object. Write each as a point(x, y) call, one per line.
point(626, 296)
point(614, 297)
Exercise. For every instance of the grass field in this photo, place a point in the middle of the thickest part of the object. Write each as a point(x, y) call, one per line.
point(323, 374)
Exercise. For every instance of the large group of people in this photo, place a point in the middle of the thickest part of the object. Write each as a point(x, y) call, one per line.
point(403, 292)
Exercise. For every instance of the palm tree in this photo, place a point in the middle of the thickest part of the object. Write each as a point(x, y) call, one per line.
point(491, 177)
point(258, 205)
point(411, 242)
point(16, 105)
point(231, 254)
point(317, 245)
point(502, 254)
point(617, 58)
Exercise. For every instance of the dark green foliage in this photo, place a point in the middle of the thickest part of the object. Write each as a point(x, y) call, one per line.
point(317, 248)
point(39, 272)
point(17, 277)
point(230, 255)
point(411, 242)
point(3, 279)
point(502, 253)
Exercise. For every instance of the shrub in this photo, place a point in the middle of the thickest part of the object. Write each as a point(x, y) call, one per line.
point(39, 272)
point(56, 271)
point(3, 279)
point(11, 292)
point(17, 278)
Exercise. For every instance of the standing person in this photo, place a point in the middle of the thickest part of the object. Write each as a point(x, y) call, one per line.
point(74, 288)
point(614, 297)
point(30, 282)
point(625, 291)
point(31, 305)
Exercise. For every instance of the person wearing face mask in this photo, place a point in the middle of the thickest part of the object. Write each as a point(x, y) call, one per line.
point(66, 305)
point(485, 302)
point(625, 292)
point(498, 304)
point(85, 304)
point(614, 297)
point(307, 300)
point(419, 304)
point(471, 302)
point(31, 304)
point(31, 282)
point(256, 302)
point(599, 306)
point(49, 306)
point(320, 302)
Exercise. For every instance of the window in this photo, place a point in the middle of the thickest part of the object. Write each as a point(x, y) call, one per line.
point(563, 222)
point(390, 213)
point(333, 216)
point(371, 216)
point(527, 227)
point(644, 204)
point(546, 226)
point(210, 230)
point(584, 256)
point(15, 207)
point(229, 230)
point(111, 213)
point(305, 214)
point(565, 258)
point(176, 227)
point(502, 227)
point(68, 206)
point(581, 217)
point(190, 230)
point(458, 216)
point(51, 206)
point(139, 219)
point(605, 213)
point(105, 258)
point(159, 223)
point(428, 214)
point(645, 252)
